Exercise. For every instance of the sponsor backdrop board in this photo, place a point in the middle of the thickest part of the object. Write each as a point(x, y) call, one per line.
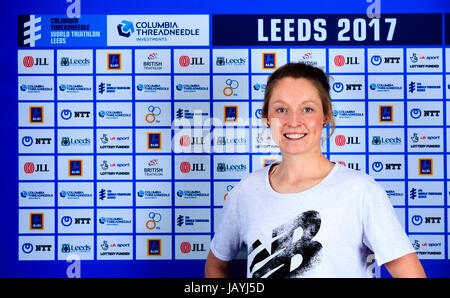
point(125, 129)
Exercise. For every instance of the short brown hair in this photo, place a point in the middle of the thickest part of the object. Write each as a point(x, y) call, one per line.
point(301, 70)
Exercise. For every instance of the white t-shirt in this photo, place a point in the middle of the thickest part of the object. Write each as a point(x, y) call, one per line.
point(328, 230)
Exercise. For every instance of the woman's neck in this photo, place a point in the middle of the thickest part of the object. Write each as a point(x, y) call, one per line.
point(297, 168)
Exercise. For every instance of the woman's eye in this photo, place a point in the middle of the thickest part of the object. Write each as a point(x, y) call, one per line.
point(281, 110)
point(308, 110)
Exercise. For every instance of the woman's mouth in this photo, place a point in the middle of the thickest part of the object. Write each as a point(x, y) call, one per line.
point(294, 136)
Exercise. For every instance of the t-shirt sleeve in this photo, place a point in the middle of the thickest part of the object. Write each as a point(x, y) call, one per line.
point(226, 242)
point(382, 232)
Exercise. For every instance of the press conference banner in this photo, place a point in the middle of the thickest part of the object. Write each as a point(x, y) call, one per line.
point(131, 129)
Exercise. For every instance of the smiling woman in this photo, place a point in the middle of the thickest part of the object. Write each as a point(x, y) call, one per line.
point(306, 216)
point(296, 125)
point(297, 107)
point(312, 75)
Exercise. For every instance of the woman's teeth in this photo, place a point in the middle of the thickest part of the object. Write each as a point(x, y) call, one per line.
point(294, 135)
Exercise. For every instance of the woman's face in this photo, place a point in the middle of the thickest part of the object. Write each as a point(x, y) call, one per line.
point(295, 116)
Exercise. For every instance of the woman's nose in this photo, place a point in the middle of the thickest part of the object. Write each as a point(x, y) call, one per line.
point(294, 119)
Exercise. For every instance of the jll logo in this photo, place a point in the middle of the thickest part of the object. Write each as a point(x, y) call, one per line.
point(186, 247)
point(341, 140)
point(186, 167)
point(30, 168)
point(185, 140)
point(185, 61)
point(350, 165)
point(29, 61)
point(340, 60)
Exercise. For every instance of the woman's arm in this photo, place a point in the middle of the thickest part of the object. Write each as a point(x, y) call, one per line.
point(216, 268)
point(406, 266)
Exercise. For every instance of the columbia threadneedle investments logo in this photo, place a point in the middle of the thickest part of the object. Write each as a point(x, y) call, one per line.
point(125, 28)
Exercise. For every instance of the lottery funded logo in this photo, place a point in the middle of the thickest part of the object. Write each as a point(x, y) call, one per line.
point(114, 167)
point(114, 140)
point(114, 247)
point(424, 60)
point(428, 246)
point(428, 139)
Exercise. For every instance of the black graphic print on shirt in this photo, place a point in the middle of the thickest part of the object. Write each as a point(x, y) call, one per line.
point(284, 248)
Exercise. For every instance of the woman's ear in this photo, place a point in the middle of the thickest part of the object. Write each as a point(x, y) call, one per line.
point(325, 121)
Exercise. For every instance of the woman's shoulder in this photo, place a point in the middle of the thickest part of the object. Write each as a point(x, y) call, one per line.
point(252, 180)
point(351, 177)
